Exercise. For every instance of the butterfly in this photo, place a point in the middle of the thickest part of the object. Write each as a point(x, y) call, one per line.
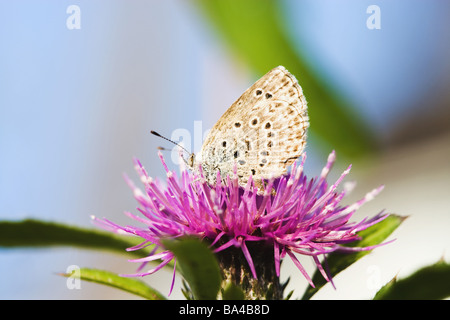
point(262, 133)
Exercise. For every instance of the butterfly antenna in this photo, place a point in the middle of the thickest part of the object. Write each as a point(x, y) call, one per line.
point(171, 141)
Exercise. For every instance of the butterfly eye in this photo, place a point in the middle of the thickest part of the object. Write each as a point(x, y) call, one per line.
point(237, 124)
point(268, 125)
point(268, 95)
point(258, 92)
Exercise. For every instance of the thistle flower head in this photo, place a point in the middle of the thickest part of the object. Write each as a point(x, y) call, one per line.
point(294, 216)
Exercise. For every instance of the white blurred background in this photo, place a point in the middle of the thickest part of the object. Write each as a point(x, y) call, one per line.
point(77, 105)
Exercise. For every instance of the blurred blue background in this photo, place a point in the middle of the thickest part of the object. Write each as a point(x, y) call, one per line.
point(77, 105)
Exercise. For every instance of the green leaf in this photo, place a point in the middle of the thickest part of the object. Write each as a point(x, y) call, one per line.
point(232, 292)
point(130, 285)
point(337, 262)
point(256, 32)
point(198, 265)
point(187, 293)
point(428, 283)
point(35, 233)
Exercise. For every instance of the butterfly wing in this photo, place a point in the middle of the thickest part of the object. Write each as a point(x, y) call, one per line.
point(263, 132)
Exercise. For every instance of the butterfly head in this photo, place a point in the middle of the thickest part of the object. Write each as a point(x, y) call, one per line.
point(191, 161)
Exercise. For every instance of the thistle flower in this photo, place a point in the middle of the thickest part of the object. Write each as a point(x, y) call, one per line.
point(250, 232)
